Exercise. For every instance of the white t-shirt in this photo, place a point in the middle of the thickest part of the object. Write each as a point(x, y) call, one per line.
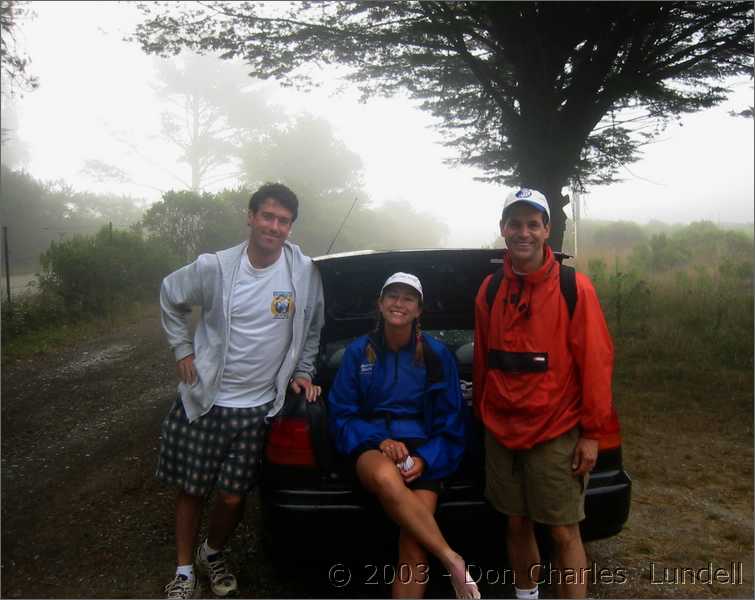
point(262, 311)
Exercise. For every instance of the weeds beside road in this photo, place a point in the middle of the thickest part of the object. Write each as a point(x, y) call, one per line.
point(83, 516)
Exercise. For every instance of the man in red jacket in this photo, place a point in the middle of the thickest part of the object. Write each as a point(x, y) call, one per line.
point(542, 387)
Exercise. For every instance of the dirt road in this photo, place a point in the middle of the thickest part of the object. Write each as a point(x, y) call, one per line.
point(83, 517)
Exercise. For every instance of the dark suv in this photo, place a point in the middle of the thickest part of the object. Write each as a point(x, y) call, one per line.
point(309, 496)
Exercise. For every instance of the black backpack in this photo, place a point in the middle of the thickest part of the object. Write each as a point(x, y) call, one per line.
point(567, 280)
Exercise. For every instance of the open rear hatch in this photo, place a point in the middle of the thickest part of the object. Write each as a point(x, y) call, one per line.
point(450, 280)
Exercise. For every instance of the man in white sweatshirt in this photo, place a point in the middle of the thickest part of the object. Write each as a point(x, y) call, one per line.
point(261, 313)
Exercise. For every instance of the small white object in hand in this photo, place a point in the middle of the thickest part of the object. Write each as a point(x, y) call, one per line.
point(407, 464)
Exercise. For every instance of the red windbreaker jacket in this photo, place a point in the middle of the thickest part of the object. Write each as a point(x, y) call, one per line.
point(570, 382)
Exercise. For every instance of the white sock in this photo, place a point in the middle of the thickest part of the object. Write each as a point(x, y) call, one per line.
point(526, 594)
point(207, 550)
point(187, 570)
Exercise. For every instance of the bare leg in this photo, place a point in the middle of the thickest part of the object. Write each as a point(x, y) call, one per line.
point(224, 518)
point(412, 571)
point(569, 553)
point(523, 553)
point(188, 513)
point(381, 477)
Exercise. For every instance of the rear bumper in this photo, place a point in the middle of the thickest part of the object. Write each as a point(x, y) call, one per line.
point(339, 512)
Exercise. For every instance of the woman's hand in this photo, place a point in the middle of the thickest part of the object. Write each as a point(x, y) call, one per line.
point(394, 450)
point(417, 469)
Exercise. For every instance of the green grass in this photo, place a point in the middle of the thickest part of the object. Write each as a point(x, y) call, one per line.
point(680, 330)
point(57, 336)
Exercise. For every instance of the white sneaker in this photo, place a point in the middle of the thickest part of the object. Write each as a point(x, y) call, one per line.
point(182, 587)
point(222, 581)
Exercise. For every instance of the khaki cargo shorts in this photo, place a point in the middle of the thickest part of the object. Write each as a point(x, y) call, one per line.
point(537, 483)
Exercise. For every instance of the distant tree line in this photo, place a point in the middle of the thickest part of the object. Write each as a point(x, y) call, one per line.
point(37, 213)
point(657, 247)
point(678, 295)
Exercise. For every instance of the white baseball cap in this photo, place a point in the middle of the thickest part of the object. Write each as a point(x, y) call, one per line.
point(531, 197)
point(407, 279)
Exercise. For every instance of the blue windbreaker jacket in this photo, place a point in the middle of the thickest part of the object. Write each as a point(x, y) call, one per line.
point(394, 398)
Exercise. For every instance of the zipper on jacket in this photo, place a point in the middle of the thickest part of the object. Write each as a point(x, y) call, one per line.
point(234, 278)
point(395, 372)
point(296, 304)
point(518, 296)
point(395, 369)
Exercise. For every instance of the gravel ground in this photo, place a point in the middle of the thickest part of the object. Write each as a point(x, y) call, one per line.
point(82, 515)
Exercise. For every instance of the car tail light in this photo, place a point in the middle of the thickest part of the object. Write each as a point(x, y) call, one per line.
point(289, 442)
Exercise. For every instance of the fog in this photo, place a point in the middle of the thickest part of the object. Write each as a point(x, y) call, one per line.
point(96, 102)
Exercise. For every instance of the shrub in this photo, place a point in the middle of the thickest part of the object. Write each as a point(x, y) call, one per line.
point(93, 274)
point(90, 276)
point(597, 269)
point(32, 312)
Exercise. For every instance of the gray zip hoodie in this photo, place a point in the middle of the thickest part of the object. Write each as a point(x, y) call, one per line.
point(207, 283)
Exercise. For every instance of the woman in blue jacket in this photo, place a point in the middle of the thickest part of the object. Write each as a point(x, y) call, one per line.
point(396, 410)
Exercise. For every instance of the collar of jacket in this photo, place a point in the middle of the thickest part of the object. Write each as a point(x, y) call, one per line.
point(377, 339)
point(230, 257)
point(541, 274)
point(433, 364)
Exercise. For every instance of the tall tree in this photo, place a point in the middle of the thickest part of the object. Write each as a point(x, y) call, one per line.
point(542, 94)
point(15, 152)
point(214, 110)
point(211, 109)
point(326, 175)
point(14, 63)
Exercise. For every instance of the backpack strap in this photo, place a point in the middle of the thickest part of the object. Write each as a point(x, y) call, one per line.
point(433, 363)
point(567, 280)
point(493, 285)
point(372, 350)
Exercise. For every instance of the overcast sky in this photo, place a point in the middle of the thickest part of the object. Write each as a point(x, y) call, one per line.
point(95, 88)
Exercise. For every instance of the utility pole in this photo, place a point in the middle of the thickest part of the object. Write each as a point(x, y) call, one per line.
point(111, 312)
point(7, 263)
point(576, 216)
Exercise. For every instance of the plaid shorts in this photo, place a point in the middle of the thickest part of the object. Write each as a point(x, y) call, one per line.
point(220, 449)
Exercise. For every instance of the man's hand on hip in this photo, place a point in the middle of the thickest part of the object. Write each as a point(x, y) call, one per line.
point(302, 384)
point(186, 371)
point(585, 455)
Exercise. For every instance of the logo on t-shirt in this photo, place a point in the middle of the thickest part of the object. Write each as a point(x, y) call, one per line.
point(282, 306)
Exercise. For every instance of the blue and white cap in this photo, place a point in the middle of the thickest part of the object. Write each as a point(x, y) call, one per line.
point(531, 197)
